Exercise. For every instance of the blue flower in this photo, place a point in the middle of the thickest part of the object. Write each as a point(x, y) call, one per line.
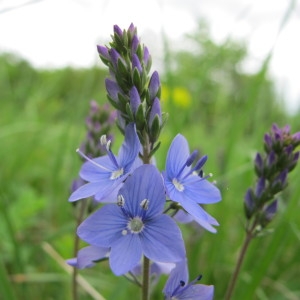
point(106, 174)
point(177, 287)
point(185, 186)
point(87, 256)
point(136, 224)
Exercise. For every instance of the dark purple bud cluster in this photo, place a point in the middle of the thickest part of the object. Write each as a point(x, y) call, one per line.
point(98, 123)
point(130, 88)
point(272, 168)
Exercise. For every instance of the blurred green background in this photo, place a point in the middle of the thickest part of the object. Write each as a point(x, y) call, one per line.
point(222, 110)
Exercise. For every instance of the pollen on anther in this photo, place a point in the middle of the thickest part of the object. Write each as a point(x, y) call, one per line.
point(124, 232)
point(144, 204)
point(103, 140)
point(120, 200)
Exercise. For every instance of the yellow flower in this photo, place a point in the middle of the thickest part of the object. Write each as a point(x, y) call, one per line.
point(181, 97)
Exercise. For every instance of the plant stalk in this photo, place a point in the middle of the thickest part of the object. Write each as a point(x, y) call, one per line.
point(233, 280)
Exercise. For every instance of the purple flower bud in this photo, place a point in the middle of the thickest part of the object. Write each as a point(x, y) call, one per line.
point(260, 187)
point(154, 85)
point(296, 138)
point(271, 160)
point(268, 142)
point(135, 44)
point(259, 164)
point(103, 51)
point(131, 29)
point(118, 30)
point(155, 110)
point(270, 211)
point(249, 203)
point(136, 63)
point(115, 56)
point(146, 56)
point(112, 89)
point(121, 121)
point(135, 100)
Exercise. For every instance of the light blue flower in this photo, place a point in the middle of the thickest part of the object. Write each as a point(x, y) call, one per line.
point(185, 186)
point(177, 286)
point(135, 225)
point(88, 256)
point(106, 174)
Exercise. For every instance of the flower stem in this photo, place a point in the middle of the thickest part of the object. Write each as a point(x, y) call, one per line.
point(146, 264)
point(232, 283)
point(146, 279)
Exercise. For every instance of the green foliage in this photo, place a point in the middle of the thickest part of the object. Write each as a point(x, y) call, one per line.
point(211, 100)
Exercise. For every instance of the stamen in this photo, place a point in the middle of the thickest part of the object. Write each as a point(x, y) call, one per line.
point(124, 232)
point(91, 161)
point(191, 158)
point(200, 163)
point(103, 140)
point(120, 200)
point(144, 204)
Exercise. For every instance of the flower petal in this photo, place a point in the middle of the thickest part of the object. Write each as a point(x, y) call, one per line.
point(87, 256)
point(197, 292)
point(177, 275)
point(139, 186)
point(103, 227)
point(200, 215)
point(97, 169)
point(177, 156)
point(85, 191)
point(162, 240)
point(125, 254)
point(201, 190)
point(130, 148)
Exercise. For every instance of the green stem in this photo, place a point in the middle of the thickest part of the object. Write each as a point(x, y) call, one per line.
point(249, 236)
point(146, 279)
point(146, 264)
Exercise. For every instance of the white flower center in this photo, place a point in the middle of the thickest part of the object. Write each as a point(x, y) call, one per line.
point(178, 185)
point(135, 225)
point(116, 174)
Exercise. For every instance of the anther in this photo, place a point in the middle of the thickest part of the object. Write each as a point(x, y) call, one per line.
point(144, 204)
point(120, 200)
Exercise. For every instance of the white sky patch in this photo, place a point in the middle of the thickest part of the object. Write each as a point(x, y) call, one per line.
point(56, 33)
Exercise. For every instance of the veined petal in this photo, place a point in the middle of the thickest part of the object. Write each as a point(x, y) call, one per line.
point(201, 190)
point(125, 254)
point(87, 256)
point(162, 240)
point(108, 193)
point(104, 227)
point(130, 148)
point(144, 183)
point(98, 169)
point(177, 156)
point(200, 215)
point(197, 292)
point(177, 275)
point(85, 191)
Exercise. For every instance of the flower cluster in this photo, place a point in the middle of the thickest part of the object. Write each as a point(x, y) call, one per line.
point(135, 223)
point(272, 169)
point(130, 89)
